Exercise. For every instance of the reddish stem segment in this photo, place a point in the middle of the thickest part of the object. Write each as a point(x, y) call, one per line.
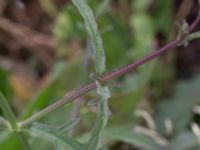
point(109, 76)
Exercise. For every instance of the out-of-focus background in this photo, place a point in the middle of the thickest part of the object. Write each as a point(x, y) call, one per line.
point(45, 52)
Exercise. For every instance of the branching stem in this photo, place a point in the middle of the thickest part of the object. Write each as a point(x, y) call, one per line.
point(107, 77)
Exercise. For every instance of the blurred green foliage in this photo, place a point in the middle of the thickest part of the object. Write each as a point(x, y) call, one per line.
point(5, 85)
point(124, 43)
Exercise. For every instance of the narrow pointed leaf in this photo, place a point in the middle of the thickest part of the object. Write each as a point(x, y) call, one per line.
point(91, 27)
point(8, 113)
point(103, 91)
point(64, 128)
point(44, 131)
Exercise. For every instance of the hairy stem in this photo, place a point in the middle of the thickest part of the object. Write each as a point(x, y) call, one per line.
point(107, 77)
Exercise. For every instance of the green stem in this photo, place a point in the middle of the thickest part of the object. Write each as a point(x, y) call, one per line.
point(8, 113)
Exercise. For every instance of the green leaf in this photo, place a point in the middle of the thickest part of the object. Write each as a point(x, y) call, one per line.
point(9, 141)
point(67, 126)
point(91, 27)
point(126, 134)
point(179, 107)
point(193, 36)
point(46, 132)
point(101, 121)
point(4, 82)
point(99, 54)
point(62, 129)
point(185, 141)
point(7, 111)
point(12, 122)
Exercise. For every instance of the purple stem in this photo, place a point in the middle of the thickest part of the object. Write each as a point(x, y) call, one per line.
point(142, 61)
point(195, 23)
point(109, 76)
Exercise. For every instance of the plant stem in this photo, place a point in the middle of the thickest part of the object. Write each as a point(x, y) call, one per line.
point(66, 99)
point(23, 140)
point(107, 77)
point(8, 113)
